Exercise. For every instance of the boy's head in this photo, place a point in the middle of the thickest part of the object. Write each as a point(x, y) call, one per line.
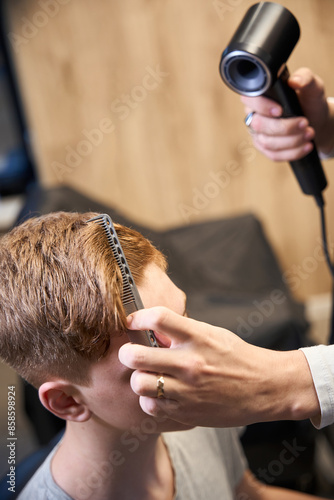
point(60, 291)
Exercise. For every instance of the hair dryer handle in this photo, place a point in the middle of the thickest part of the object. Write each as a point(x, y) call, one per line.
point(308, 170)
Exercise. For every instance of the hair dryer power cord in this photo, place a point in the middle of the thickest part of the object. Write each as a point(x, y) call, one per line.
point(321, 205)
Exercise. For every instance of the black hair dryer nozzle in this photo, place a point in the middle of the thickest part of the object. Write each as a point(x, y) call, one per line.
point(254, 63)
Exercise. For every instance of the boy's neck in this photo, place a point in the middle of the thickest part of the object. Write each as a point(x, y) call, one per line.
point(97, 463)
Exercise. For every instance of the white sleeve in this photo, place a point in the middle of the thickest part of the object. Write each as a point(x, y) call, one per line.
point(321, 362)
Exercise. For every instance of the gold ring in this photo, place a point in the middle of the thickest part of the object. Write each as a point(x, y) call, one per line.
point(161, 386)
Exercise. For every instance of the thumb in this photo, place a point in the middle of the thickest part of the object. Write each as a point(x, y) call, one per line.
point(309, 84)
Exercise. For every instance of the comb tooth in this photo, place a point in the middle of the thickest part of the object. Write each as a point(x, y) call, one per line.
point(127, 299)
point(98, 218)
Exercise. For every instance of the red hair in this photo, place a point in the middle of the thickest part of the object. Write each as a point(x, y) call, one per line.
point(61, 294)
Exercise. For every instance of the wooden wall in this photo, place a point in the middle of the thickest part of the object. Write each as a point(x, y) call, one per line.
point(126, 104)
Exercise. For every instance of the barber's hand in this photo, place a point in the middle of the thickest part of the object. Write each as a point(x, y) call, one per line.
point(212, 377)
point(288, 139)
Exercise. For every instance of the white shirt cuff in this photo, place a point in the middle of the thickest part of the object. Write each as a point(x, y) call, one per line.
point(321, 362)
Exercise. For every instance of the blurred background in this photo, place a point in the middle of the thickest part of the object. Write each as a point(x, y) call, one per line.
point(123, 102)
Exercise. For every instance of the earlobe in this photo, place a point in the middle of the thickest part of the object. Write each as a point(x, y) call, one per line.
point(57, 397)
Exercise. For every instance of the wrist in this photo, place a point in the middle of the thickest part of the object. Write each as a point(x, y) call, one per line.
point(296, 397)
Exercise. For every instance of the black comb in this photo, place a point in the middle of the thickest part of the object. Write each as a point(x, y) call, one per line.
point(130, 297)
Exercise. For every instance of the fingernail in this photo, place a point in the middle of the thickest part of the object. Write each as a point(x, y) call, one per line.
point(296, 79)
point(303, 123)
point(129, 319)
point(308, 148)
point(309, 134)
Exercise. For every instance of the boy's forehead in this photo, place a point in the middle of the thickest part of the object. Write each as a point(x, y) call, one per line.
point(157, 289)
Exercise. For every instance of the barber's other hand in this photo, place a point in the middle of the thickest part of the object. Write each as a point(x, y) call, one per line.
point(288, 139)
point(214, 378)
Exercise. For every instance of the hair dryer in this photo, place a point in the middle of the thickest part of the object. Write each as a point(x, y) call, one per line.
point(254, 63)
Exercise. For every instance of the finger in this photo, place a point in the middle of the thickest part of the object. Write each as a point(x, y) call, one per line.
point(262, 105)
point(281, 127)
point(287, 154)
point(151, 359)
point(159, 407)
point(145, 384)
point(281, 143)
point(304, 79)
point(166, 322)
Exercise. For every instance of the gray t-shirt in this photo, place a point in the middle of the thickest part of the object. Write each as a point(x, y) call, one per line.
point(208, 464)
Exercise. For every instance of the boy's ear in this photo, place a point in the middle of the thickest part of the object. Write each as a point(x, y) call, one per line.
point(62, 399)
